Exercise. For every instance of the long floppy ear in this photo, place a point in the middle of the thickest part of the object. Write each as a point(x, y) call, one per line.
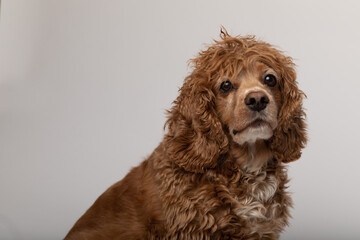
point(290, 135)
point(195, 138)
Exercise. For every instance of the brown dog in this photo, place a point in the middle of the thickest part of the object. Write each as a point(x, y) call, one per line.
point(220, 171)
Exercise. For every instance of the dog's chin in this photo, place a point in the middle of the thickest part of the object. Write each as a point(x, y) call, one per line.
point(252, 133)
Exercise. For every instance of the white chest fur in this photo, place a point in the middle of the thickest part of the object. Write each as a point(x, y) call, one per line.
point(259, 192)
point(258, 206)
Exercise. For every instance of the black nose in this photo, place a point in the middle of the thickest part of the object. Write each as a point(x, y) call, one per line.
point(256, 101)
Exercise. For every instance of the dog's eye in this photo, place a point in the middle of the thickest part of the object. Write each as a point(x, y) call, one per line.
point(226, 86)
point(270, 80)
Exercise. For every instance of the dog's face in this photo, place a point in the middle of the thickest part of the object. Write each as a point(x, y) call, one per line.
point(240, 91)
point(248, 104)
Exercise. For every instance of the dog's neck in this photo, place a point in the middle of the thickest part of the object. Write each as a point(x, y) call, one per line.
point(252, 157)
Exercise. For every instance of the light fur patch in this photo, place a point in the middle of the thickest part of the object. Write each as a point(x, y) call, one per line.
point(253, 207)
point(255, 89)
point(251, 134)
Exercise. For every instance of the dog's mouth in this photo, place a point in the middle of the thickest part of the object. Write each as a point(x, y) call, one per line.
point(257, 123)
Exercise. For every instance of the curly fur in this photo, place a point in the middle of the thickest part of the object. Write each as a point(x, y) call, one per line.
point(200, 182)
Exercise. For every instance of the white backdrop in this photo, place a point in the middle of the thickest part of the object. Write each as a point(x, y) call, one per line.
point(84, 85)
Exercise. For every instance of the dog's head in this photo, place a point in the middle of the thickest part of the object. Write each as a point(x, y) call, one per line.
point(242, 91)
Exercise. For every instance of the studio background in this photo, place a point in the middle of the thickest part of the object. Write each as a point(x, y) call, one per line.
point(84, 85)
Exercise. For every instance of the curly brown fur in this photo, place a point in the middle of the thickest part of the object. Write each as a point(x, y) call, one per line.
point(218, 173)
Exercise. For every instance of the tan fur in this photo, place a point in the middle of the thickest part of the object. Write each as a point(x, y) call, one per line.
point(203, 181)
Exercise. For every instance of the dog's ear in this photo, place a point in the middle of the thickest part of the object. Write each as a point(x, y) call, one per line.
point(290, 135)
point(195, 138)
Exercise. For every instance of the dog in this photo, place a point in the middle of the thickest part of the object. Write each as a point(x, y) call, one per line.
point(220, 170)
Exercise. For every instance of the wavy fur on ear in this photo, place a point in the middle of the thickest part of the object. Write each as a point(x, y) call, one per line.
point(195, 138)
point(290, 135)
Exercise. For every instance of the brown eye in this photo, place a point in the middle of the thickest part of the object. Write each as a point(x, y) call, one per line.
point(270, 80)
point(226, 86)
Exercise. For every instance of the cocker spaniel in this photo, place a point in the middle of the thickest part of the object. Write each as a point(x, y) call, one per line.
point(219, 172)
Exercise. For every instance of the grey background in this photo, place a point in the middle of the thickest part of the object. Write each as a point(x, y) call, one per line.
point(84, 85)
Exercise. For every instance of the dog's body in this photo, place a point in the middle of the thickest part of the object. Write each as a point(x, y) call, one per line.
point(220, 171)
